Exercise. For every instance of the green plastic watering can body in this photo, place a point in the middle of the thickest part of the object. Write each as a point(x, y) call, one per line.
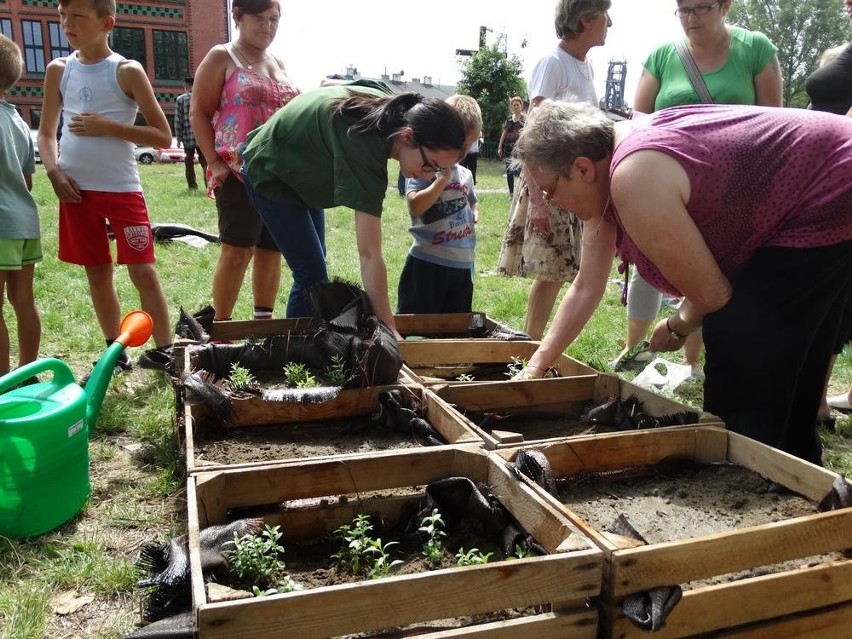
point(44, 453)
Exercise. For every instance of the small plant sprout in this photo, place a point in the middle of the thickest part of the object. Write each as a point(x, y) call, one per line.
point(360, 552)
point(516, 366)
point(241, 378)
point(472, 557)
point(336, 372)
point(256, 558)
point(433, 525)
point(298, 376)
point(520, 553)
point(465, 377)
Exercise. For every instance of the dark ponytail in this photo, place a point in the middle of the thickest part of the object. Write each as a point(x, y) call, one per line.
point(436, 124)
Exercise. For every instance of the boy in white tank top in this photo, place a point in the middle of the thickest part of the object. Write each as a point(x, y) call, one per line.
point(98, 93)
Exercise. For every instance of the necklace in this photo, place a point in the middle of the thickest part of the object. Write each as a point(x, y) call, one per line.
point(603, 214)
point(249, 65)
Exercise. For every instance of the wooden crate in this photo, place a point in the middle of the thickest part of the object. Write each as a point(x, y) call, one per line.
point(431, 361)
point(558, 398)
point(832, 622)
point(565, 578)
point(731, 604)
point(446, 421)
point(445, 325)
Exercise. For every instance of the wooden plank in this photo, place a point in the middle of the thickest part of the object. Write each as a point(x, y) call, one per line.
point(675, 562)
point(447, 421)
point(580, 624)
point(199, 596)
point(749, 600)
point(278, 482)
point(520, 394)
point(453, 324)
point(507, 436)
point(538, 516)
point(406, 599)
point(826, 623)
point(800, 476)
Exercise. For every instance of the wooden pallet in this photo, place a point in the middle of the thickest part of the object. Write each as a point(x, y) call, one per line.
point(550, 398)
point(565, 578)
point(430, 361)
point(732, 604)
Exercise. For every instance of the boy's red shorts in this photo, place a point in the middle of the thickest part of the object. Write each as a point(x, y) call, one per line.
point(83, 235)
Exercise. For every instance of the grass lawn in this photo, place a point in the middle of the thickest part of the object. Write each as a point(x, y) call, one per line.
point(137, 484)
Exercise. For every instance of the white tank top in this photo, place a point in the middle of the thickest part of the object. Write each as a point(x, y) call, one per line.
point(97, 163)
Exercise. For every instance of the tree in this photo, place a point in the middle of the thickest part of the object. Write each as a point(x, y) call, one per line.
point(801, 29)
point(491, 77)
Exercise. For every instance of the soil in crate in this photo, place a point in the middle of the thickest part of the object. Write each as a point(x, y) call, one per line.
point(537, 427)
point(684, 499)
point(484, 372)
point(218, 445)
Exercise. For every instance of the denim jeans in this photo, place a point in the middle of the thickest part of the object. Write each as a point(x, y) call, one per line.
point(299, 232)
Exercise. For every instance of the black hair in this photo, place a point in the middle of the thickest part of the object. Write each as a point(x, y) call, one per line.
point(434, 123)
point(253, 6)
point(189, 80)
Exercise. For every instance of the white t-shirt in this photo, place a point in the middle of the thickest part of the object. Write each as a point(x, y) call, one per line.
point(561, 76)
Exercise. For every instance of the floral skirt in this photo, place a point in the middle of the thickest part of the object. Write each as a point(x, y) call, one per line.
point(552, 257)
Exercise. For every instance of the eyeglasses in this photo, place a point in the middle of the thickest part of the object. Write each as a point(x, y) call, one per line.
point(428, 167)
point(550, 192)
point(699, 9)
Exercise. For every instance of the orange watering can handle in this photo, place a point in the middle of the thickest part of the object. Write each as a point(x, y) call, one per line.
point(135, 329)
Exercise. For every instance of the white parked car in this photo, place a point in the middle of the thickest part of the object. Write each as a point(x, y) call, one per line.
point(145, 154)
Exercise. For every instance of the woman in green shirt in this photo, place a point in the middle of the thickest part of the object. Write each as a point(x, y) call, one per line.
point(739, 67)
point(330, 147)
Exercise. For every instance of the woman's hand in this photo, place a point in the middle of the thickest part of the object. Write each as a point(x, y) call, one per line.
point(219, 172)
point(528, 372)
point(662, 341)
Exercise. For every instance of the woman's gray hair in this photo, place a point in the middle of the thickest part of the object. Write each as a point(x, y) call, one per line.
point(557, 133)
point(569, 13)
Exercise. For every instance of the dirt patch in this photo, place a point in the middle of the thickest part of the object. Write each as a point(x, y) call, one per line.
point(218, 445)
point(538, 427)
point(683, 500)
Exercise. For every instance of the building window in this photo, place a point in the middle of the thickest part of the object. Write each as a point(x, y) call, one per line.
point(130, 43)
point(33, 46)
point(6, 27)
point(170, 55)
point(59, 47)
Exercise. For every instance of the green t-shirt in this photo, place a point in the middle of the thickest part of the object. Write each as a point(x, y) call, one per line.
point(750, 52)
point(302, 154)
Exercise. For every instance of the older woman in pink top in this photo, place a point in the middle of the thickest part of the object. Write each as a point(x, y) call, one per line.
point(744, 211)
point(238, 86)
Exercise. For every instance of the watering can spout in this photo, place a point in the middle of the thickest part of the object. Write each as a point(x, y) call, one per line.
point(135, 329)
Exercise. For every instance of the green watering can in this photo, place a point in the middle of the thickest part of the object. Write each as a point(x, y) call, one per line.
point(44, 436)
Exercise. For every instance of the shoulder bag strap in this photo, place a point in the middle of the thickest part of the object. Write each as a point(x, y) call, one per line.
point(693, 72)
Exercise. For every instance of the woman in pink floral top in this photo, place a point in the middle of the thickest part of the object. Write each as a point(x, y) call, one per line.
point(238, 86)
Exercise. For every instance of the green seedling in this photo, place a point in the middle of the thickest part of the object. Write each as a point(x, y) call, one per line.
point(472, 557)
point(465, 377)
point(520, 553)
point(285, 585)
point(297, 375)
point(516, 366)
point(433, 526)
point(361, 553)
point(256, 557)
point(241, 378)
point(336, 372)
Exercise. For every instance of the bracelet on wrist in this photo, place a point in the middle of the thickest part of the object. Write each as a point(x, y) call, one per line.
point(672, 332)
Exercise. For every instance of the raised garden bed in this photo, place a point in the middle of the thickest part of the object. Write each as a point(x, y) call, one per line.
point(741, 559)
point(507, 413)
point(444, 361)
point(340, 429)
point(547, 593)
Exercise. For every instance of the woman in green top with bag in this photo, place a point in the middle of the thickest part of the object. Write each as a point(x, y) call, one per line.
point(330, 147)
point(734, 66)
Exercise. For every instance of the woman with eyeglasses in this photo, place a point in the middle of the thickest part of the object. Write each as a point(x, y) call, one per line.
point(540, 241)
point(237, 87)
point(738, 67)
point(330, 147)
point(744, 211)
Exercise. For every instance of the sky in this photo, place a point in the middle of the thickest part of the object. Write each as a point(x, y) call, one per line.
point(322, 37)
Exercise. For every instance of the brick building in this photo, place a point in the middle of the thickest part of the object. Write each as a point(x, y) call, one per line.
point(169, 38)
